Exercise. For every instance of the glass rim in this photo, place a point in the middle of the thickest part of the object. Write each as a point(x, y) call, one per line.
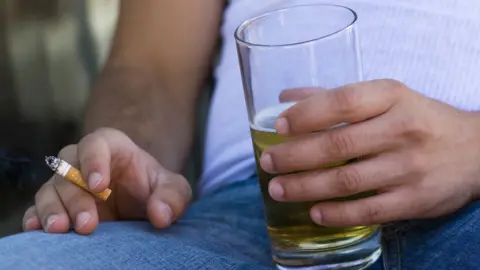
point(248, 22)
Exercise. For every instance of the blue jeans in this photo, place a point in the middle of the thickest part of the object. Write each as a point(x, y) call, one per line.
point(226, 230)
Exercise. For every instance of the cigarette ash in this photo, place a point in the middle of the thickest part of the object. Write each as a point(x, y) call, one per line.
point(53, 162)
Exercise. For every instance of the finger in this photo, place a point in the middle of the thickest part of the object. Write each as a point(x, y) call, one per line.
point(320, 149)
point(48, 204)
point(351, 103)
point(96, 153)
point(297, 94)
point(375, 210)
point(169, 200)
point(342, 181)
point(79, 204)
point(31, 221)
point(94, 159)
point(50, 210)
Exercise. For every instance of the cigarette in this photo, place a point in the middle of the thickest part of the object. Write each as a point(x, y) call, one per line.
point(73, 175)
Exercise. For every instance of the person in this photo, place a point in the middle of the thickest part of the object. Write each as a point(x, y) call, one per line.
point(419, 131)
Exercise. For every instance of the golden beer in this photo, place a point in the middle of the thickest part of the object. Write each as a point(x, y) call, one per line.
point(289, 224)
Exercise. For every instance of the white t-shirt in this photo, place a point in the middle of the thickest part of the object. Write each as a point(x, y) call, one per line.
point(432, 45)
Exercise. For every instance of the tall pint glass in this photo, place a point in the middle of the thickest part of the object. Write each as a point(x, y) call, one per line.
point(301, 46)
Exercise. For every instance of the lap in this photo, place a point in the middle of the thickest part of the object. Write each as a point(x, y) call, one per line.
point(222, 231)
point(226, 230)
point(450, 242)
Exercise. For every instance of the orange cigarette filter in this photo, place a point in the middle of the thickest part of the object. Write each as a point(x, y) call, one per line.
point(73, 175)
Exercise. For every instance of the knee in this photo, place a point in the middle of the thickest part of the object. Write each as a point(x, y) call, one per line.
point(436, 243)
point(39, 250)
point(28, 250)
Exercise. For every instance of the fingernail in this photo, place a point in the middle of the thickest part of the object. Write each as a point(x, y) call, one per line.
point(94, 180)
point(316, 216)
point(281, 126)
point(276, 190)
point(81, 220)
point(165, 211)
point(30, 224)
point(267, 163)
point(50, 220)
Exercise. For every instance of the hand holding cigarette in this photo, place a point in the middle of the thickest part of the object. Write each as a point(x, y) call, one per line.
point(72, 174)
point(144, 189)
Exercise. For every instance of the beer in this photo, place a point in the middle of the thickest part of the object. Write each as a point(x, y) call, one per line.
point(289, 224)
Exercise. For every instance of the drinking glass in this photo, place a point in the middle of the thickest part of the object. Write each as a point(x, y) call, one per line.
point(312, 45)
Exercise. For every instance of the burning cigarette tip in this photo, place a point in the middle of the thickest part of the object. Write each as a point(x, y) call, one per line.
point(52, 162)
point(73, 175)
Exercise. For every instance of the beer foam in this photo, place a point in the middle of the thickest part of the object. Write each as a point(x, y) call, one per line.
point(265, 119)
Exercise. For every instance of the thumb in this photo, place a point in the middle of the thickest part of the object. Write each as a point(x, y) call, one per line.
point(297, 94)
point(94, 158)
point(169, 199)
point(97, 152)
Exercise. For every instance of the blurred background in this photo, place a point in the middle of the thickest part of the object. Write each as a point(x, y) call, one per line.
point(50, 52)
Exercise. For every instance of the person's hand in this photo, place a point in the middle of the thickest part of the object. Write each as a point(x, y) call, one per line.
point(421, 156)
point(141, 188)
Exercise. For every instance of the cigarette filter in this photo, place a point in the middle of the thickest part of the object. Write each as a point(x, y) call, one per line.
point(73, 175)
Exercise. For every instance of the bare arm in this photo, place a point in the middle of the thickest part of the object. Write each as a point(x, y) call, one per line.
point(160, 58)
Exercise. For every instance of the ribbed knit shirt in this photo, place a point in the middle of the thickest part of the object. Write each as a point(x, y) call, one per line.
point(431, 45)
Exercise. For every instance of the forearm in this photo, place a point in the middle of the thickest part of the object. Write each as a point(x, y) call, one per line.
point(159, 60)
point(137, 103)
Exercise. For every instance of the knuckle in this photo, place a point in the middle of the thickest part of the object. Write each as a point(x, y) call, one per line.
point(158, 176)
point(50, 208)
point(397, 88)
point(283, 159)
point(176, 185)
point(339, 144)
point(413, 163)
point(69, 195)
point(392, 87)
point(373, 213)
point(348, 180)
point(104, 130)
point(68, 151)
point(346, 100)
point(395, 84)
point(112, 136)
point(43, 189)
point(75, 202)
point(90, 162)
point(411, 127)
point(89, 140)
point(298, 188)
point(108, 132)
point(287, 159)
point(423, 203)
point(404, 123)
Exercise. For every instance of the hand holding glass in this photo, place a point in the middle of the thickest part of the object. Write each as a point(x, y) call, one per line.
point(297, 47)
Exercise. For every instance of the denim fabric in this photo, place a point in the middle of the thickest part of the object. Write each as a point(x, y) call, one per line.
point(447, 243)
point(225, 230)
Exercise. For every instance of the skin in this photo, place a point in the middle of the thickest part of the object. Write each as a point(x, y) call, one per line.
point(133, 144)
point(420, 155)
point(159, 61)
